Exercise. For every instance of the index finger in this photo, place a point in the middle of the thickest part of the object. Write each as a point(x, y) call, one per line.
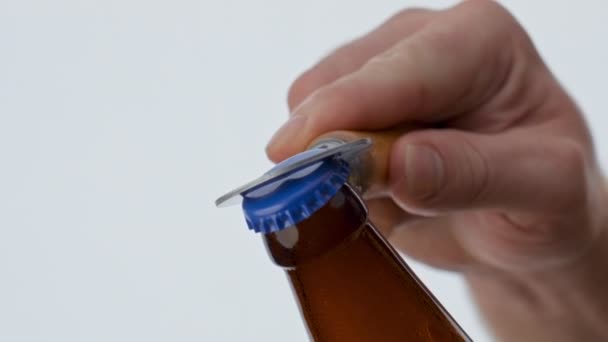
point(450, 66)
point(353, 55)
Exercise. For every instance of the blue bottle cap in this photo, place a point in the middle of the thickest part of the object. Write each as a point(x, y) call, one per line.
point(297, 187)
point(290, 199)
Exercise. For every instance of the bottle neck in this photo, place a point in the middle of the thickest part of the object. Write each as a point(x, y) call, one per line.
point(335, 222)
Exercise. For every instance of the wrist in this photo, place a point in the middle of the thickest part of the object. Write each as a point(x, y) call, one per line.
point(569, 303)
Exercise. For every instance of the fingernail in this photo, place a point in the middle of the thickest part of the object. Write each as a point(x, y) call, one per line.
point(423, 171)
point(287, 132)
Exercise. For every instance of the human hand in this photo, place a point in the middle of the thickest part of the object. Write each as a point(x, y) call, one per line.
point(499, 181)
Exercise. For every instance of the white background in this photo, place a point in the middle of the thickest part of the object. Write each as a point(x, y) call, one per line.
point(122, 120)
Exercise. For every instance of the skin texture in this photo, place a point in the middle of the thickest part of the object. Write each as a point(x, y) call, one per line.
point(497, 181)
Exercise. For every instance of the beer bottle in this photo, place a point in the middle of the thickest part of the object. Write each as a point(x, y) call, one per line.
point(350, 284)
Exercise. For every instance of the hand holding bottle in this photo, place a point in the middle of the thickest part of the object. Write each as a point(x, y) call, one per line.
point(498, 181)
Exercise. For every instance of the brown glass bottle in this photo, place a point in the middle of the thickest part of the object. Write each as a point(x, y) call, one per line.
point(350, 284)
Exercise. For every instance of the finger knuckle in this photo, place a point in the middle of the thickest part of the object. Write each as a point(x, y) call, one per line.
point(570, 158)
point(488, 8)
point(491, 17)
point(408, 14)
point(331, 102)
point(405, 63)
point(303, 86)
point(336, 93)
point(477, 172)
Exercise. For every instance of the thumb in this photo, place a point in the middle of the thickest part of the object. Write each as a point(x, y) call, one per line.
point(434, 171)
